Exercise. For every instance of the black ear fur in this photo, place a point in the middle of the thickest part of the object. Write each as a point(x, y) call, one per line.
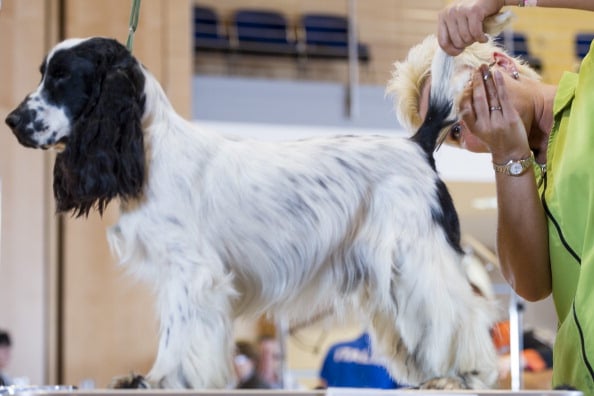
point(104, 156)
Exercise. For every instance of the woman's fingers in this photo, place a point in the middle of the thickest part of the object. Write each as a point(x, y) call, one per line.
point(506, 105)
point(460, 25)
point(493, 100)
point(479, 95)
point(475, 26)
point(447, 34)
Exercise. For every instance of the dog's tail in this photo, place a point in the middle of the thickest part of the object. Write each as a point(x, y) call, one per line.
point(441, 113)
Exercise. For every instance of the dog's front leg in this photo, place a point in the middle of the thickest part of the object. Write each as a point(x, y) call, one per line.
point(195, 346)
point(194, 296)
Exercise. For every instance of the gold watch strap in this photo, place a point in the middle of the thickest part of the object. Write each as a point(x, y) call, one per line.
point(525, 163)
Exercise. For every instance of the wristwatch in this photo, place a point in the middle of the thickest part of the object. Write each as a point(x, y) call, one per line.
point(515, 167)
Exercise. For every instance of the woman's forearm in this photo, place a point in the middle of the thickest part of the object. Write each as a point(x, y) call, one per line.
point(522, 236)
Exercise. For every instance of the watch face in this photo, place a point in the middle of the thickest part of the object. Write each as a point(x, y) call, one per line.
point(515, 168)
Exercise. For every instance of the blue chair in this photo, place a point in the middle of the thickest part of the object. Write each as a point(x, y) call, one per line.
point(327, 36)
point(582, 44)
point(208, 31)
point(262, 32)
point(518, 46)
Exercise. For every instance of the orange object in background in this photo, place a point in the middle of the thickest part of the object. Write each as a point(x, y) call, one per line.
point(532, 361)
point(531, 358)
point(500, 335)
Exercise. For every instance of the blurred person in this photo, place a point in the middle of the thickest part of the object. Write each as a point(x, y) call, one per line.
point(5, 355)
point(541, 140)
point(352, 364)
point(270, 364)
point(245, 363)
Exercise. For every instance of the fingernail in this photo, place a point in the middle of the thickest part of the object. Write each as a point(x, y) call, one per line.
point(485, 72)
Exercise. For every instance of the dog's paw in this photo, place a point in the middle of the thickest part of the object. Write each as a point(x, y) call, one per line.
point(131, 381)
point(444, 383)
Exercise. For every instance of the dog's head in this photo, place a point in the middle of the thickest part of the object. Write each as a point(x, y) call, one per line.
point(88, 106)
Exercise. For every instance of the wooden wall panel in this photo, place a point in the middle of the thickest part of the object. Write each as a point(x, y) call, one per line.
point(550, 37)
point(26, 227)
point(109, 322)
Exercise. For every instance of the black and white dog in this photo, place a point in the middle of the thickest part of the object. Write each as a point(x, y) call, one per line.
point(225, 227)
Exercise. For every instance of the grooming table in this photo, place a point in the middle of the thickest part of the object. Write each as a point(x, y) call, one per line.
point(64, 391)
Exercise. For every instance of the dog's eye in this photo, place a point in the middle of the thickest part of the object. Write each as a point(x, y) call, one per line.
point(455, 132)
point(60, 74)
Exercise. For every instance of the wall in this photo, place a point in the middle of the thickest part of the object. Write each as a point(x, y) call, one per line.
point(25, 260)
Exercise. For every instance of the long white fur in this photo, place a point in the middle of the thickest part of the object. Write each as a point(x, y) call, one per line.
point(229, 227)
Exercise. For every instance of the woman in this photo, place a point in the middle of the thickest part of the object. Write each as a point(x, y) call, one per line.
point(541, 138)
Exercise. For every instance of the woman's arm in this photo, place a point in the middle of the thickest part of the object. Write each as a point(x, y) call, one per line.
point(573, 4)
point(522, 235)
point(461, 23)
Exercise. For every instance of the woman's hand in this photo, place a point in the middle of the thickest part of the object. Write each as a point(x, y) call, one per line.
point(489, 114)
point(461, 23)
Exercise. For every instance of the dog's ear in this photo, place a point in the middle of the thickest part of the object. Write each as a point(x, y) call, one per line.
point(104, 156)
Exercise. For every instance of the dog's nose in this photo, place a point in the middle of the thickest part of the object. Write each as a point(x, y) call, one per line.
point(13, 120)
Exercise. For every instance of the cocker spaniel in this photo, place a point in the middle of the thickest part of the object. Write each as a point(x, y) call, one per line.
point(225, 227)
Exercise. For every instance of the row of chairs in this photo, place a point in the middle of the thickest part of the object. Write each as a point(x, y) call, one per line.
point(518, 46)
point(315, 36)
point(582, 44)
point(268, 32)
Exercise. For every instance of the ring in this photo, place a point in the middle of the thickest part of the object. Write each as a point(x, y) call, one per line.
point(494, 108)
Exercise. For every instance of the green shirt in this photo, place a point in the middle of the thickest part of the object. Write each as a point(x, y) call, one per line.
point(568, 198)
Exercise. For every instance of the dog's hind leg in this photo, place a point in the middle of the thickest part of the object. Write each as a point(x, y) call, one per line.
point(402, 341)
point(433, 331)
point(411, 355)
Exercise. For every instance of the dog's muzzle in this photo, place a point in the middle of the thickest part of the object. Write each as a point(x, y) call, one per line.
point(21, 121)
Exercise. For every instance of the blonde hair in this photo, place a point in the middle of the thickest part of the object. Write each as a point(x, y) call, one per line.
point(409, 76)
